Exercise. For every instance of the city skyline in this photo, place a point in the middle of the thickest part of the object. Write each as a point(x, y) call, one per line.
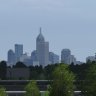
point(39, 56)
point(29, 53)
point(65, 23)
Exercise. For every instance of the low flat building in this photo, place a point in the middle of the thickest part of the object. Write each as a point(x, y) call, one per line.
point(18, 73)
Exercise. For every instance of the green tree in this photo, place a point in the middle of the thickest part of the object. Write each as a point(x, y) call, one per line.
point(89, 83)
point(2, 92)
point(32, 89)
point(62, 81)
point(48, 91)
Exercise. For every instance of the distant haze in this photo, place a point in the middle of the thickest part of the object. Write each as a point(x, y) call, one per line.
point(65, 24)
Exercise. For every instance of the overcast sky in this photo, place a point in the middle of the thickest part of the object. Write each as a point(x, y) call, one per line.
point(65, 24)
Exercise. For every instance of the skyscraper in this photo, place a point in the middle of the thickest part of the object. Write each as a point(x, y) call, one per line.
point(65, 56)
point(42, 48)
point(11, 57)
point(18, 52)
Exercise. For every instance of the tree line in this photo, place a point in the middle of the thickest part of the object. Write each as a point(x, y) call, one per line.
point(63, 77)
point(40, 73)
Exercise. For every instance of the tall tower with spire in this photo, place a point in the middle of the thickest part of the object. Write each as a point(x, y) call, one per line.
point(42, 48)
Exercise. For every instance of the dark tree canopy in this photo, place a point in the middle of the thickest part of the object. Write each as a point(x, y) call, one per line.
point(20, 65)
point(88, 86)
point(3, 69)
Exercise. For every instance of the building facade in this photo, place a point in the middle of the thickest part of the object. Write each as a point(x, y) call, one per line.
point(26, 59)
point(18, 52)
point(34, 55)
point(18, 73)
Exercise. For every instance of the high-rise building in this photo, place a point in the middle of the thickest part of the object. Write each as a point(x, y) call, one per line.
point(53, 58)
point(79, 62)
point(26, 59)
point(65, 56)
point(11, 57)
point(23, 57)
point(72, 59)
point(42, 48)
point(18, 52)
point(34, 56)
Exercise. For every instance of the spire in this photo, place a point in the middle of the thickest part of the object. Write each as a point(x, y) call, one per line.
point(40, 37)
point(40, 30)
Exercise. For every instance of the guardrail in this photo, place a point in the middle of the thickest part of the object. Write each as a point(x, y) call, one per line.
point(16, 93)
